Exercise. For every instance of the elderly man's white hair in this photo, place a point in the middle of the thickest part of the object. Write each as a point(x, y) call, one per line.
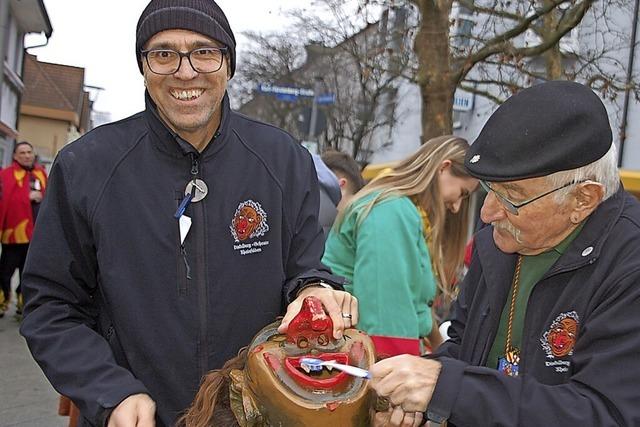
point(604, 170)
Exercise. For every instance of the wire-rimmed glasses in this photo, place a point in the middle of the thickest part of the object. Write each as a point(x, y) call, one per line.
point(512, 207)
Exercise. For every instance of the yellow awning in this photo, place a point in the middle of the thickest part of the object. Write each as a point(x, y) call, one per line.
point(373, 170)
point(631, 181)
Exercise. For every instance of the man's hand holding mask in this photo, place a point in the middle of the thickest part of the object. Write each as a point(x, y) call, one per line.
point(342, 308)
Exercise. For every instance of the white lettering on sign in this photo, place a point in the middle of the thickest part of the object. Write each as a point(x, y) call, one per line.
point(285, 90)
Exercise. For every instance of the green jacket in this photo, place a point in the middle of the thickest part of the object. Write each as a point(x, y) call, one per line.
point(387, 263)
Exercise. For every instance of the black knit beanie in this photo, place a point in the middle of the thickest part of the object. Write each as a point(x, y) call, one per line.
point(200, 16)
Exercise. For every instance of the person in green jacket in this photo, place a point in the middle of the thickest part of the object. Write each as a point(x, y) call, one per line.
point(401, 240)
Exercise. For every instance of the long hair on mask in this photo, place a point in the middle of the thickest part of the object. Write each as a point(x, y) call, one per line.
point(211, 406)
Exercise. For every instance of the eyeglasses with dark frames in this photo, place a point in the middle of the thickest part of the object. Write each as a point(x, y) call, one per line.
point(511, 207)
point(168, 61)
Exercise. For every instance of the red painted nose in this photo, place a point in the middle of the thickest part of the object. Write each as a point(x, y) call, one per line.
point(311, 324)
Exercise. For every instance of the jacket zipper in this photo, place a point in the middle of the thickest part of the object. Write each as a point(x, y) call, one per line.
point(183, 251)
point(199, 216)
point(182, 286)
point(195, 167)
point(109, 334)
point(201, 284)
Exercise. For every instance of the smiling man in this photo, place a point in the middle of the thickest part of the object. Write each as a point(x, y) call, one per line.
point(168, 239)
point(546, 329)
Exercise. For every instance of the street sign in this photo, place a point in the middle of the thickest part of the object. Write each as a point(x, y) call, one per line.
point(286, 97)
point(285, 90)
point(327, 98)
point(462, 101)
point(291, 94)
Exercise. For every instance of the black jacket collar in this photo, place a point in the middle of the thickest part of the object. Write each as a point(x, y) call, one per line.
point(498, 267)
point(587, 246)
point(171, 143)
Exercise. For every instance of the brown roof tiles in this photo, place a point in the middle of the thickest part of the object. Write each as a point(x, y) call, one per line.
point(55, 86)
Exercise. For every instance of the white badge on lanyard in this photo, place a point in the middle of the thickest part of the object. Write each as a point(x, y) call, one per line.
point(200, 187)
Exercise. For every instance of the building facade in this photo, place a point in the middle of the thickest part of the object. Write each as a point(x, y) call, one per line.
point(55, 108)
point(17, 18)
point(400, 133)
point(472, 111)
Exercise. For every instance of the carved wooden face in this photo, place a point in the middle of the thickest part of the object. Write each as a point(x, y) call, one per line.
point(562, 338)
point(275, 389)
point(246, 222)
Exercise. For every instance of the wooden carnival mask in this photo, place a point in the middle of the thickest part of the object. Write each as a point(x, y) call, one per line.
point(275, 390)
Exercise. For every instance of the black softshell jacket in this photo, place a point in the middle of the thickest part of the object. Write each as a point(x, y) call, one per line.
point(115, 305)
point(596, 285)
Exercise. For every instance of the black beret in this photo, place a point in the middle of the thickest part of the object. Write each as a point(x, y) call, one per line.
point(200, 16)
point(547, 128)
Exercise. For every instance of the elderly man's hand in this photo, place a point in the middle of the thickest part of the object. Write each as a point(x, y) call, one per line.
point(407, 381)
point(341, 306)
point(397, 417)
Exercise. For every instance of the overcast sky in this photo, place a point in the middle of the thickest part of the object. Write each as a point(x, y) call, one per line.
point(99, 35)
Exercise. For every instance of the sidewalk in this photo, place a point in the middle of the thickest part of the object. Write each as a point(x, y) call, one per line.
point(26, 397)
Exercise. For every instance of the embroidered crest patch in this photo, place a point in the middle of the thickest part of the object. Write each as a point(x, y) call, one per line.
point(561, 337)
point(249, 221)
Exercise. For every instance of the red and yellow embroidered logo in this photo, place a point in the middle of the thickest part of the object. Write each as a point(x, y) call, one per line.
point(249, 221)
point(561, 337)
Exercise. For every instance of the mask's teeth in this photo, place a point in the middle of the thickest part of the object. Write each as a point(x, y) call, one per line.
point(305, 367)
point(329, 367)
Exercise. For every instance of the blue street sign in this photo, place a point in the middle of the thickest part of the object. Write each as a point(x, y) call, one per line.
point(286, 97)
point(327, 98)
point(291, 94)
point(285, 90)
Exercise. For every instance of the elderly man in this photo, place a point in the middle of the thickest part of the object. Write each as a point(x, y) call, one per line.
point(546, 329)
point(168, 239)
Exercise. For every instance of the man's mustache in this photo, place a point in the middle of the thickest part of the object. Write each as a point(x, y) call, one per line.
point(508, 227)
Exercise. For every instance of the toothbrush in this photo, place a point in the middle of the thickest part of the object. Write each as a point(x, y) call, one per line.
point(317, 364)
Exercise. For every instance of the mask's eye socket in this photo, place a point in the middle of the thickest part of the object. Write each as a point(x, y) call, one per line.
point(303, 342)
point(323, 340)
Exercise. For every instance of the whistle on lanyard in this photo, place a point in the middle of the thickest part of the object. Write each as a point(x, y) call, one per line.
point(195, 191)
point(186, 201)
